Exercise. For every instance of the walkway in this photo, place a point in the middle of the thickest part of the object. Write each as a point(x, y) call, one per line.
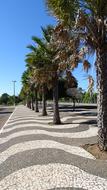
point(35, 155)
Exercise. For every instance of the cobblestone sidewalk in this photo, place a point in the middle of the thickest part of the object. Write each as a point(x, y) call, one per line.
point(35, 155)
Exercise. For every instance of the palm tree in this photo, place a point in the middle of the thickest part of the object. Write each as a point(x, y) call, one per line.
point(49, 67)
point(34, 88)
point(51, 52)
point(29, 89)
point(90, 23)
point(26, 88)
point(57, 53)
point(36, 98)
point(36, 60)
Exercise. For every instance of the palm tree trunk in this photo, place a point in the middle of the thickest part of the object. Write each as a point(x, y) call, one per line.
point(32, 104)
point(73, 104)
point(102, 97)
point(29, 104)
point(56, 116)
point(36, 101)
point(44, 112)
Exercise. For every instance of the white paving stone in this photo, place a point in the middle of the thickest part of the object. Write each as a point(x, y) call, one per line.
point(91, 132)
point(30, 120)
point(30, 145)
point(31, 117)
point(65, 126)
point(80, 121)
point(37, 117)
point(77, 120)
point(43, 177)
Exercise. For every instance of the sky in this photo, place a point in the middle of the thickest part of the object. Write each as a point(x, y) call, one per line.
point(19, 21)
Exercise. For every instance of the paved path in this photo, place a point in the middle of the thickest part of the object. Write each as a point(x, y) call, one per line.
point(35, 155)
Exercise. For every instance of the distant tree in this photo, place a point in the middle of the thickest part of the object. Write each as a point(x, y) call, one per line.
point(11, 100)
point(4, 99)
point(90, 99)
point(61, 90)
point(63, 85)
point(75, 94)
point(87, 97)
point(94, 99)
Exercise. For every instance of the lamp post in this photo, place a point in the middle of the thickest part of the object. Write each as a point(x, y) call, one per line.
point(14, 90)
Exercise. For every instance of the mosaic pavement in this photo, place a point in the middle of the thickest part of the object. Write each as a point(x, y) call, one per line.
point(36, 155)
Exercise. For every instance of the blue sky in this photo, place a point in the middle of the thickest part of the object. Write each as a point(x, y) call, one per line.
point(19, 20)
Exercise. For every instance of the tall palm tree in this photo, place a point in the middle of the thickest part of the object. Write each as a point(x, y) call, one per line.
point(26, 88)
point(29, 89)
point(36, 60)
point(50, 68)
point(34, 89)
point(90, 23)
point(49, 49)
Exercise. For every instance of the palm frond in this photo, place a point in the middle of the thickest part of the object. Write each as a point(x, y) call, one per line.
point(63, 9)
point(41, 44)
point(32, 48)
point(47, 32)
